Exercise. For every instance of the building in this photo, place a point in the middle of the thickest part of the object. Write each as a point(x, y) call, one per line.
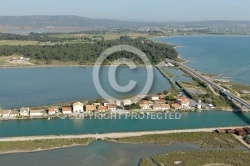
point(144, 106)
point(183, 101)
point(127, 102)
point(118, 103)
point(163, 96)
point(112, 107)
point(90, 108)
point(165, 107)
point(6, 113)
point(155, 97)
point(78, 107)
point(66, 110)
point(51, 111)
point(160, 102)
point(156, 107)
point(176, 106)
point(13, 114)
point(24, 111)
point(36, 112)
point(240, 131)
point(162, 107)
point(102, 109)
point(150, 103)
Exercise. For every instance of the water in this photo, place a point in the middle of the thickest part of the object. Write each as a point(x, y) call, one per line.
point(43, 86)
point(179, 75)
point(205, 119)
point(96, 153)
point(225, 55)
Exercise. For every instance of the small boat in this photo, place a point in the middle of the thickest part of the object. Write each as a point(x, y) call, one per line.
point(48, 118)
point(147, 113)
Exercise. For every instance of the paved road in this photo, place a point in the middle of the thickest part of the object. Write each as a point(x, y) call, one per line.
point(210, 82)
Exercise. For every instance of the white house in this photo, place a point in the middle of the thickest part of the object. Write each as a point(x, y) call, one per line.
point(144, 106)
point(13, 114)
point(165, 107)
point(78, 107)
point(184, 102)
point(24, 111)
point(118, 103)
point(36, 112)
point(51, 111)
point(6, 113)
point(155, 97)
point(102, 109)
point(127, 102)
point(112, 107)
point(66, 110)
point(156, 107)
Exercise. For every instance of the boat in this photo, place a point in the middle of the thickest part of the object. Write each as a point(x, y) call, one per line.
point(48, 118)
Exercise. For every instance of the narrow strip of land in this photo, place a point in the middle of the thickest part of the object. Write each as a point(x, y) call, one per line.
point(110, 135)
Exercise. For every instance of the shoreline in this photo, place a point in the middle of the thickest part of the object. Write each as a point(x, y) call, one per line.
point(105, 137)
point(111, 135)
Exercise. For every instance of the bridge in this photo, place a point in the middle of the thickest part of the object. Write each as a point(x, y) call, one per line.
point(210, 82)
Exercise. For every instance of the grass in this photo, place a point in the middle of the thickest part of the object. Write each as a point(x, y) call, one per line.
point(13, 146)
point(204, 139)
point(17, 42)
point(195, 158)
point(145, 162)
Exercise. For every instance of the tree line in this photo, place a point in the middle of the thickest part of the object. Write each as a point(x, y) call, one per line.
point(89, 52)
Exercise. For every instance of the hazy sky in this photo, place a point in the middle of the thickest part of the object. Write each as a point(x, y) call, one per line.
point(149, 10)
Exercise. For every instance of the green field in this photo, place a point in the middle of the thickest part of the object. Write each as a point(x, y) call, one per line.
point(15, 146)
point(203, 158)
point(204, 139)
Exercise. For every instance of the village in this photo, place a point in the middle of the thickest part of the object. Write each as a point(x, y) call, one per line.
point(151, 103)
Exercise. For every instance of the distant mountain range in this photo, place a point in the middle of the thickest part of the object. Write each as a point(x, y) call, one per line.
point(76, 21)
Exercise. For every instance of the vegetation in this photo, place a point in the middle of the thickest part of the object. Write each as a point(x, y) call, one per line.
point(145, 162)
point(204, 139)
point(133, 106)
point(174, 90)
point(41, 144)
point(246, 138)
point(88, 53)
point(196, 158)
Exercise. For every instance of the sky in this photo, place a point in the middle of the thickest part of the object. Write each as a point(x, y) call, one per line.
point(139, 10)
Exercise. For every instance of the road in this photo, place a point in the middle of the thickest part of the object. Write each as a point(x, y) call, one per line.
point(210, 82)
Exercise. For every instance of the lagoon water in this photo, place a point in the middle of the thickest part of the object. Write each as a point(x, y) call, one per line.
point(228, 56)
point(43, 86)
point(188, 120)
point(96, 153)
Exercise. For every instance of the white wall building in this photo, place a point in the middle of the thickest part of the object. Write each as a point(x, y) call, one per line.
point(78, 107)
point(144, 106)
point(36, 112)
point(24, 111)
point(127, 102)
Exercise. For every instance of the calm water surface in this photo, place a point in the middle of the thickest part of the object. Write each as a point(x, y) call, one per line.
point(228, 56)
point(97, 153)
point(43, 86)
point(189, 120)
